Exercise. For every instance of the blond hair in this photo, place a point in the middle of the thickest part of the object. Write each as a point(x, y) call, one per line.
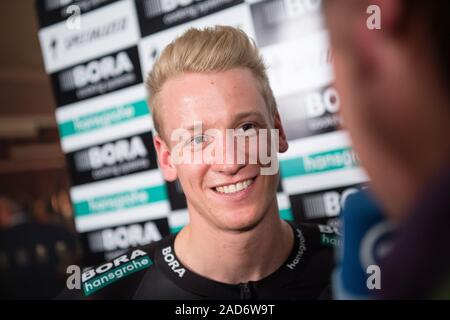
point(212, 49)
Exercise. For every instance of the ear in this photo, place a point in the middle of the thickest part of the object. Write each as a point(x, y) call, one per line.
point(283, 143)
point(164, 159)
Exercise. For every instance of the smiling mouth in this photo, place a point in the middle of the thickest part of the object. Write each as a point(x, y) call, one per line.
point(234, 188)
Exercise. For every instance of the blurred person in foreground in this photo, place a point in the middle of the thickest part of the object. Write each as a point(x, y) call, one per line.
point(394, 84)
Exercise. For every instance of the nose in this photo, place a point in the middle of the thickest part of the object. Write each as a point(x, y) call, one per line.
point(226, 168)
point(226, 159)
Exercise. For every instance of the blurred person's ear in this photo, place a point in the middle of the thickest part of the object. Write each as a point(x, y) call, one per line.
point(164, 159)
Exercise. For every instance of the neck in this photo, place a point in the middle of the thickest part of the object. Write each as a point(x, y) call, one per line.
point(235, 256)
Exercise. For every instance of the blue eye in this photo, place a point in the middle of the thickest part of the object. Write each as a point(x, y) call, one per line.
point(198, 139)
point(246, 129)
point(248, 126)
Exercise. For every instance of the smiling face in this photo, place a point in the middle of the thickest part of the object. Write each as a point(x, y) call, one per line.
point(227, 195)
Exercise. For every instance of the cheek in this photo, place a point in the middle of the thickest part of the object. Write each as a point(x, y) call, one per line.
point(271, 183)
point(359, 113)
point(261, 151)
point(191, 177)
point(350, 106)
point(341, 78)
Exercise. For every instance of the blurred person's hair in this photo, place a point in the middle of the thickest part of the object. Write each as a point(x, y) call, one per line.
point(208, 50)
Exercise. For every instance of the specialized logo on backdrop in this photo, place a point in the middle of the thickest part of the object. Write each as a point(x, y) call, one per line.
point(324, 204)
point(310, 113)
point(113, 159)
point(54, 11)
point(87, 36)
point(96, 77)
point(158, 15)
point(82, 35)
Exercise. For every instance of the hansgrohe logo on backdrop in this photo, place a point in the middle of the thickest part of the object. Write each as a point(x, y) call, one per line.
point(338, 159)
point(120, 201)
point(103, 119)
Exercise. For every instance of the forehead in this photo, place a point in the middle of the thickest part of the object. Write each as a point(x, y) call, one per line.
point(213, 98)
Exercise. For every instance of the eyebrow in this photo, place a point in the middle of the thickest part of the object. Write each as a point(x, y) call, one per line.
point(243, 115)
point(193, 127)
point(237, 118)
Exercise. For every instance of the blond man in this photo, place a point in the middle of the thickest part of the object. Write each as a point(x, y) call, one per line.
point(214, 112)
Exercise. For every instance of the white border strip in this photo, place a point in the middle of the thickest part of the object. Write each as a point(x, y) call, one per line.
point(101, 103)
point(113, 219)
point(123, 184)
point(324, 180)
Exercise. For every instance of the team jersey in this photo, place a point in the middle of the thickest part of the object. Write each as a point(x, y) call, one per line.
point(155, 272)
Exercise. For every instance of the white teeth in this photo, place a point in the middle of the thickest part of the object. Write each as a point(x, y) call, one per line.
point(232, 188)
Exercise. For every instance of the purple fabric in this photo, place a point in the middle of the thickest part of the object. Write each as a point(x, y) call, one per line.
point(420, 256)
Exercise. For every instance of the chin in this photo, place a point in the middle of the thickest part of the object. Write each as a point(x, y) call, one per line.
point(240, 222)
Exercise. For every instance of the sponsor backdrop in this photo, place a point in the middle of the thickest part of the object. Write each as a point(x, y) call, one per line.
point(97, 54)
